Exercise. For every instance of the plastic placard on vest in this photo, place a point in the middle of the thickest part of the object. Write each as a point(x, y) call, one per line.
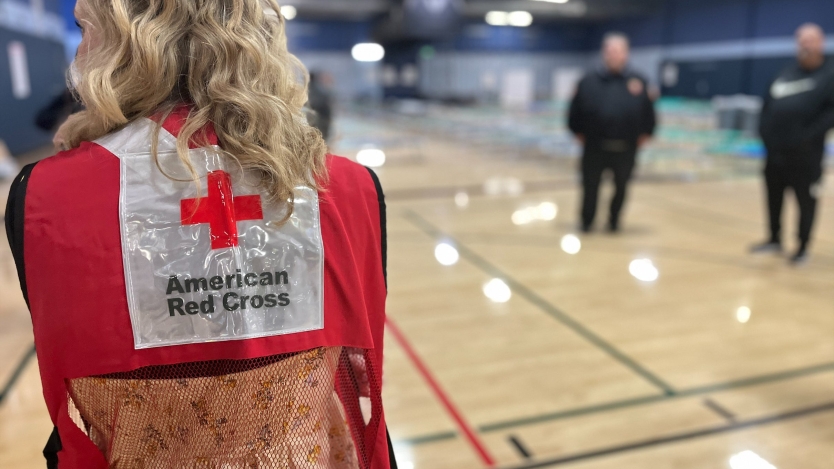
point(212, 261)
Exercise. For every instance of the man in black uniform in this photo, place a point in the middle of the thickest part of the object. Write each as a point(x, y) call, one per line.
point(797, 114)
point(320, 102)
point(612, 115)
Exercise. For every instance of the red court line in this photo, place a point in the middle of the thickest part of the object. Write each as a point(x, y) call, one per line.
point(441, 395)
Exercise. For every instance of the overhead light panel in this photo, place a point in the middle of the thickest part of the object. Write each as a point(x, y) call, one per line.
point(498, 18)
point(289, 12)
point(575, 8)
point(371, 157)
point(368, 52)
point(520, 19)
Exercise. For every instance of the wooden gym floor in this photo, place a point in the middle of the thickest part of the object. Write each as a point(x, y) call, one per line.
point(726, 360)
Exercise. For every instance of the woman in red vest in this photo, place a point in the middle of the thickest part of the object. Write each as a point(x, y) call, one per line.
point(207, 286)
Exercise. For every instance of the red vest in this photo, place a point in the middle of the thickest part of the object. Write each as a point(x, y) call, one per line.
point(76, 290)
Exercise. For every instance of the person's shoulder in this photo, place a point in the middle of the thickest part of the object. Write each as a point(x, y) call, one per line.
point(788, 72)
point(85, 164)
point(636, 75)
point(343, 173)
point(588, 82)
point(83, 153)
point(828, 69)
point(350, 182)
point(340, 168)
point(341, 165)
point(591, 76)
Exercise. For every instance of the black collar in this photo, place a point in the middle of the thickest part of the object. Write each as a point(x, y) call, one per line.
point(606, 74)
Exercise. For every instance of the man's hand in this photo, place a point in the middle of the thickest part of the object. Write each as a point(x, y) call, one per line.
point(580, 138)
point(643, 140)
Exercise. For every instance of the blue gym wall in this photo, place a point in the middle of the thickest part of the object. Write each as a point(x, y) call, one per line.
point(721, 46)
point(704, 21)
point(41, 38)
point(306, 36)
point(546, 37)
point(325, 46)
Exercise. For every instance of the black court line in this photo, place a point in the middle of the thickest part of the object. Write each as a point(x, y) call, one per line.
point(635, 402)
point(473, 190)
point(709, 215)
point(667, 252)
point(7, 388)
point(542, 304)
point(742, 425)
point(692, 392)
point(530, 187)
point(579, 411)
point(719, 409)
point(519, 446)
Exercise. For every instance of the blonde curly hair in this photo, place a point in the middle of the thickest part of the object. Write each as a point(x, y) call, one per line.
point(227, 59)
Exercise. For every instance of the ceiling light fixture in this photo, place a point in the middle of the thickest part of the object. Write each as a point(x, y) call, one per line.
point(520, 19)
point(368, 52)
point(289, 12)
point(497, 18)
point(371, 157)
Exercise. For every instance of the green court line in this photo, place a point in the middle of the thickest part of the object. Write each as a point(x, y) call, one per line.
point(430, 438)
point(709, 215)
point(16, 373)
point(761, 379)
point(691, 255)
point(542, 304)
point(543, 418)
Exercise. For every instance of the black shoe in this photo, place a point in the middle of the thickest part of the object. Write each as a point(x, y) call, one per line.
point(613, 228)
point(800, 258)
point(586, 228)
point(770, 247)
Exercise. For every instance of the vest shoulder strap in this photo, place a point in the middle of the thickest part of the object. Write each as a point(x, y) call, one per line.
point(383, 223)
point(15, 208)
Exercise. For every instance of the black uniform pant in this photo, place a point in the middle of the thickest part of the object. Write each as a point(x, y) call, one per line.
point(594, 163)
point(805, 184)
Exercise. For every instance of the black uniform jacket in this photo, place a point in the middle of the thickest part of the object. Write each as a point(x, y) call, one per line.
point(798, 112)
point(610, 106)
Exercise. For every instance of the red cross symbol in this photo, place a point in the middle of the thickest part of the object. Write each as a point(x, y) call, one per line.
point(221, 210)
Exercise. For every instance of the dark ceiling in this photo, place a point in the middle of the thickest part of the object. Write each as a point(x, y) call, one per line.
point(591, 9)
point(541, 10)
